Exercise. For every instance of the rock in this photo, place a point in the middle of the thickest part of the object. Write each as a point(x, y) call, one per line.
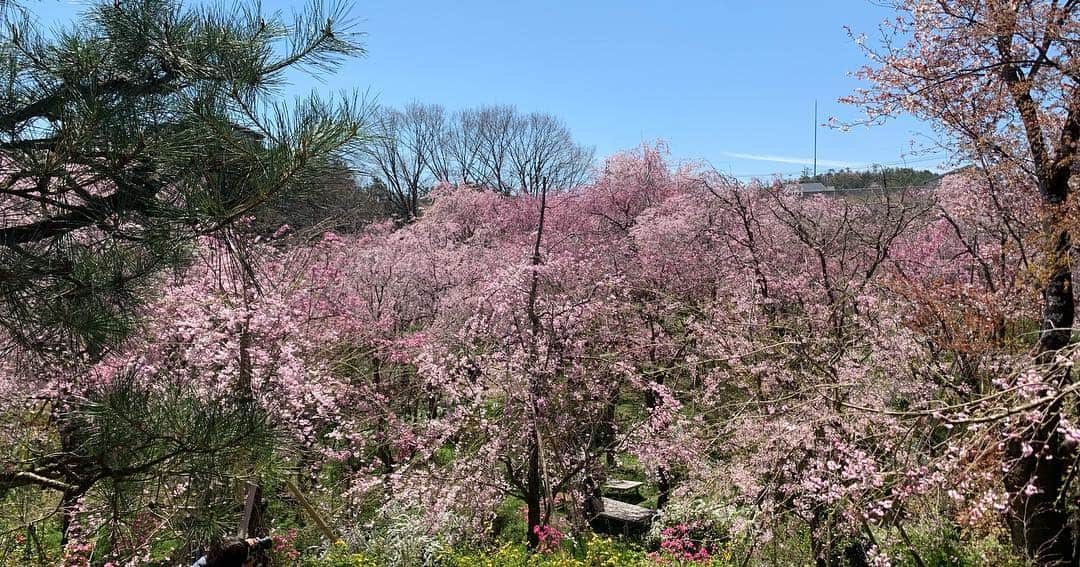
point(622, 485)
point(620, 518)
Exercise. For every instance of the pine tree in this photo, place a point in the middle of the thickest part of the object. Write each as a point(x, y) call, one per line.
point(143, 126)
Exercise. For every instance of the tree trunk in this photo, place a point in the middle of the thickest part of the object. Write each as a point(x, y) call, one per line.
point(663, 474)
point(829, 549)
point(1039, 522)
point(1035, 479)
point(533, 494)
point(69, 499)
point(68, 502)
point(663, 486)
point(533, 487)
point(1058, 303)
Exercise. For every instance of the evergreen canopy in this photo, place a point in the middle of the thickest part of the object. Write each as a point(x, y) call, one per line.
point(145, 125)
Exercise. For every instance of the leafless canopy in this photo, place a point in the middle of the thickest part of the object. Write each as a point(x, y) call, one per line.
point(492, 146)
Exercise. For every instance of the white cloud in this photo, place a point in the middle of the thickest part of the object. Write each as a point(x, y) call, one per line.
point(796, 160)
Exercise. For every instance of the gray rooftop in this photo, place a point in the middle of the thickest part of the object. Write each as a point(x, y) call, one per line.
point(815, 187)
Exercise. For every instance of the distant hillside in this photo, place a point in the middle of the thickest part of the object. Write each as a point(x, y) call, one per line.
point(890, 177)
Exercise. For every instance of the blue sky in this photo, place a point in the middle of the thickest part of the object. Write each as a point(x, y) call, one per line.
point(731, 82)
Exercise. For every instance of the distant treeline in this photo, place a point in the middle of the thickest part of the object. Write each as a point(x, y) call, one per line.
point(889, 177)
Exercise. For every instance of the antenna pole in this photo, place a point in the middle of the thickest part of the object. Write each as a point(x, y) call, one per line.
point(815, 140)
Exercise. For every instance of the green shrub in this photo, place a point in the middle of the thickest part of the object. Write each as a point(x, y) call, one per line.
point(591, 551)
point(509, 523)
point(942, 545)
point(340, 556)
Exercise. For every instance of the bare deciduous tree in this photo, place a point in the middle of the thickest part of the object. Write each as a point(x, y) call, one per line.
point(461, 145)
point(400, 156)
point(496, 129)
point(493, 146)
point(544, 156)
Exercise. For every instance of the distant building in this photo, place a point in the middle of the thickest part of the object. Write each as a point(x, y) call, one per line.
point(818, 188)
point(813, 188)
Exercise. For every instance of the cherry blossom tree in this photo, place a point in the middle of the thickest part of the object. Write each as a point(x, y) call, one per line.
point(837, 366)
point(999, 79)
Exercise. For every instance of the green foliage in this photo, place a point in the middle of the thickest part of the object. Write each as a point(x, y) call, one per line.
point(140, 127)
point(340, 205)
point(124, 448)
point(709, 520)
point(340, 556)
point(171, 432)
point(941, 545)
point(592, 552)
point(886, 177)
point(401, 536)
point(509, 523)
point(28, 538)
point(443, 455)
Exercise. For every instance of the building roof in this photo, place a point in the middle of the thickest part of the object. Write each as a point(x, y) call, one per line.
point(812, 188)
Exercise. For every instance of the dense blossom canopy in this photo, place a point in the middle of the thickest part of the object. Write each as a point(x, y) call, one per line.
point(811, 358)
